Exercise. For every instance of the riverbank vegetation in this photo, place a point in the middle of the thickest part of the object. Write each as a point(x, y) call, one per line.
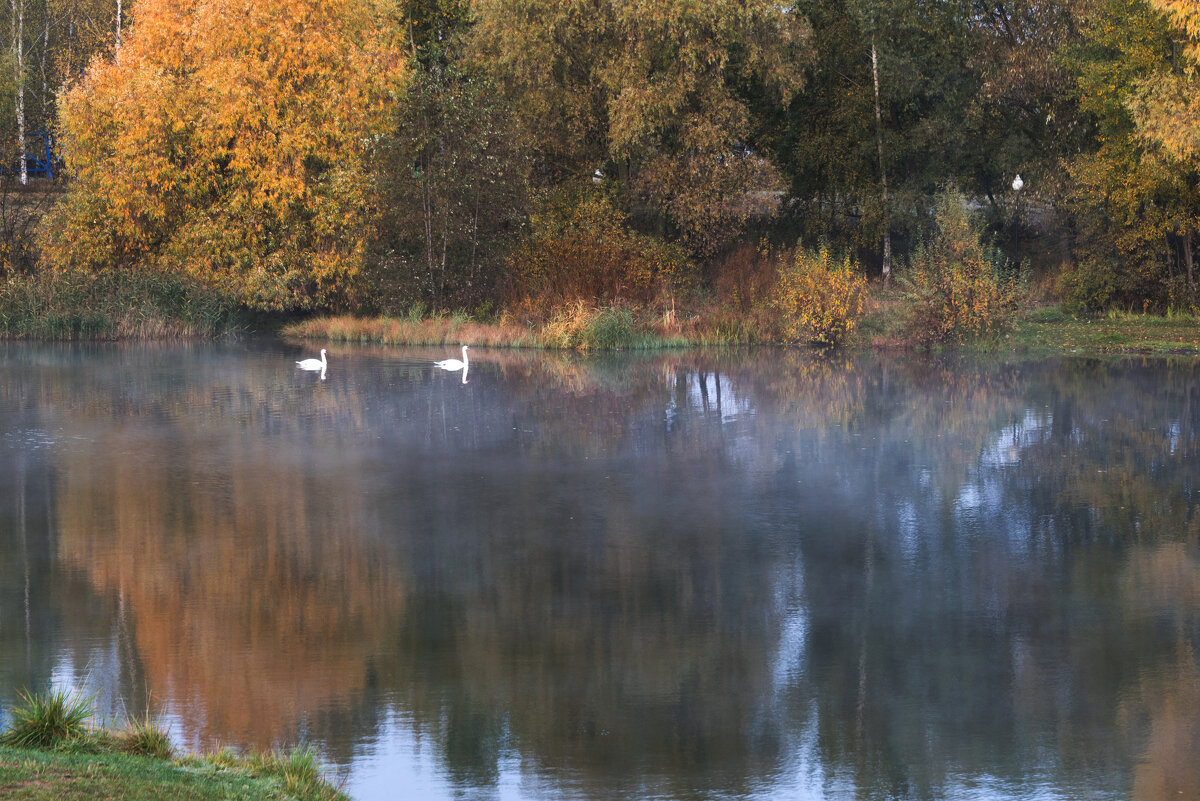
point(551, 174)
point(49, 751)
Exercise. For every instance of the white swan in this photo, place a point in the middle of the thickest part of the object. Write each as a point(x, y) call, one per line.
point(454, 364)
point(314, 364)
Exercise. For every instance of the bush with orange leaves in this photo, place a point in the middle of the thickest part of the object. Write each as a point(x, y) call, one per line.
point(955, 287)
point(819, 298)
point(582, 249)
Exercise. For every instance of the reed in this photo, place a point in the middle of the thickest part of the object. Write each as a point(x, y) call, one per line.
point(413, 330)
point(586, 327)
point(114, 304)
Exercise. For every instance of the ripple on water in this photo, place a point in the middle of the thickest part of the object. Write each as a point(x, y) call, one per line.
point(30, 439)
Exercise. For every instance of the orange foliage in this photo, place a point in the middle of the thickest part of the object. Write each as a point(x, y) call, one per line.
point(582, 249)
point(229, 141)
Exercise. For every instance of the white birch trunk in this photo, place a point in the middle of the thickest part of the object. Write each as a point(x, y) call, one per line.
point(887, 232)
point(18, 40)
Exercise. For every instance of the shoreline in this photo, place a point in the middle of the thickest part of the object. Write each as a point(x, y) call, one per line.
point(97, 766)
point(1045, 330)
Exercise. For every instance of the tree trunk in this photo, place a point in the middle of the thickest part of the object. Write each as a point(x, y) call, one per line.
point(118, 49)
point(1187, 257)
point(18, 46)
point(887, 216)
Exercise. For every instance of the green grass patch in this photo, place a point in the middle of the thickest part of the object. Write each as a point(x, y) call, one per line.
point(58, 775)
point(1055, 331)
point(49, 752)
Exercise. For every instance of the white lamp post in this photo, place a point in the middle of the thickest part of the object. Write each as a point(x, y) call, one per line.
point(1017, 185)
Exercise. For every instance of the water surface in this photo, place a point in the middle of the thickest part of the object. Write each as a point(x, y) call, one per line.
point(738, 574)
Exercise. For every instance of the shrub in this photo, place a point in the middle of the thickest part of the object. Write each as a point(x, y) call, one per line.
point(745, 277)
point(582, 249)
point(955, 288)
point(819, 299)
point(44, 719)
point(590, 328)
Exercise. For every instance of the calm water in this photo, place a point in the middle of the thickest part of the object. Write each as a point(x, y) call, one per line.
point(751, 575)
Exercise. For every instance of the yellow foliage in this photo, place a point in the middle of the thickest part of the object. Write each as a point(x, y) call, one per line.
point(229, 141)
point(818, 298)
point(954, 289)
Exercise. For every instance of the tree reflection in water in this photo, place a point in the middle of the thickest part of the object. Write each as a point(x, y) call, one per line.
point(682, 574)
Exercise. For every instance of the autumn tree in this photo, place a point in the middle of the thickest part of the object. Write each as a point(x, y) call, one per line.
point(1166, 105)
point(653, 96)
point(880, 124)
point(1137, 206)
point(229, 141)
point(78, 31)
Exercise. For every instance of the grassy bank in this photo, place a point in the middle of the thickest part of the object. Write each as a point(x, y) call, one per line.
point(1035, 330)
point(98, 772)
point(581, 327)
point(131, 304)
point(1051, 330)
point(50, 752)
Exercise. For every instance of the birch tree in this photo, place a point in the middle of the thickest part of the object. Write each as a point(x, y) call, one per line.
point(17, 20)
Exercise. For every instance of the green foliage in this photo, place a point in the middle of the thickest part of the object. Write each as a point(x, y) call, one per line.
point(451, 185)
point(44, 719)
point(654, 95)
point(819, 299)
point(1137, 209)
point(954, 288)
point(581, 248)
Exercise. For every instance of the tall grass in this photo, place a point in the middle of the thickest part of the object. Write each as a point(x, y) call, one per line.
point(114, 304)
point(579, 325)
point(301, 773)
point(585, 327)
point(143, 737)
point(44, 719)
point(413, 329)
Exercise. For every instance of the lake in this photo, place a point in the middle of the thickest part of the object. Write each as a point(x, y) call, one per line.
point(732, 574)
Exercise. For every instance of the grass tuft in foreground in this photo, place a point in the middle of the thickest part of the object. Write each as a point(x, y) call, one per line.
point(50, 753)
point(43, 719)
point(145, 738)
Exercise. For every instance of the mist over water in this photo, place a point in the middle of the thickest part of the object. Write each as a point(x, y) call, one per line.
point(682, 575)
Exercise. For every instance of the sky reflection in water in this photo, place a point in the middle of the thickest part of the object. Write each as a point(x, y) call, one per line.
point(678, 575)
